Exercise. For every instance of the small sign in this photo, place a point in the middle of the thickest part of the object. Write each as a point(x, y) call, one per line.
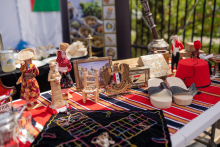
point(5, 107)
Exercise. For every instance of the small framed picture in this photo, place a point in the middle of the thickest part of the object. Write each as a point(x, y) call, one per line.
point(111, 52)
point(90, 65)
point(108, 12)
point(109, 26)
point(110, 39)
point(139, 76)
point(108, 2)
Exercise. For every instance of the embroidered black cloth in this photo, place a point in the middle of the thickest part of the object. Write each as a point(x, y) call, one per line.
point(105, 128)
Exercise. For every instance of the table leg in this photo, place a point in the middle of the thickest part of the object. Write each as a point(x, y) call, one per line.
point(212, 143)
point(212, 135)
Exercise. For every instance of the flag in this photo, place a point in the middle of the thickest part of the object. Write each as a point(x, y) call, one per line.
point(117, 77)
point(45, 5)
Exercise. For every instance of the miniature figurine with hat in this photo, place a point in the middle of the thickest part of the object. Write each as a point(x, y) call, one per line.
point(58, 104)
point(197, 54)
point(30, 90)
point(176, 46)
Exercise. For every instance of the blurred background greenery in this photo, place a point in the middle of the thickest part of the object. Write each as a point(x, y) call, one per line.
point(139, 36)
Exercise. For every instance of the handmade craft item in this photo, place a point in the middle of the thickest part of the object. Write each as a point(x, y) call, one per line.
point(156, 44)
point(176, 46)
point(160, 95)
point(30, 90)
point(54, 78)
point(64, 67)
point(157, 64)
point(106, 129)
point(165, 54)
point(198, 55)
point(90, 64)
point(117, 80)
point(181, 95)
point(6, 94)
point(139, 76)
point(91, 85)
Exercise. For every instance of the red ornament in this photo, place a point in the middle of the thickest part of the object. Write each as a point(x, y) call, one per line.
point(197, 44)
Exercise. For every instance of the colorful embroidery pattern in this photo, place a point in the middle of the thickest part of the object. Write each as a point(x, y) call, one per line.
point(121, 128)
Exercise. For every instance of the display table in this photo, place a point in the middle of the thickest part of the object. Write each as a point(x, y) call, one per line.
point(184, 122)
point(194, 71)
point(9, 79)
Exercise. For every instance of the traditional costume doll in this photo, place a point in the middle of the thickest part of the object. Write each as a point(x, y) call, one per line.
point(29, 86)
point(54, 79)
point(176, 46)
point(197, 54)
point(64, 67)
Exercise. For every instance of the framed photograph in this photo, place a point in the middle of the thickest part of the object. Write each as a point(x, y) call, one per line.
point(109, 26)
point(108, 2)
point(139, 76)
point(108, 12)
point(111, 52)
point(90, 64)
point(110, 40)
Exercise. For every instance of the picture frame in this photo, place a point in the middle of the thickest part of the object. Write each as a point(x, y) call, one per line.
point(90, 65)
point(109, 12)
point(139, 76)
point(108, 2)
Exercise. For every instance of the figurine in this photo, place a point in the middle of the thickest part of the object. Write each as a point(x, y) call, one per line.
point(29, 86)
point(54, 79)
point(91, 88)
point(118, 79)
point(64, 67)
point(197, 54)
point(103, 140)
point(176, 46)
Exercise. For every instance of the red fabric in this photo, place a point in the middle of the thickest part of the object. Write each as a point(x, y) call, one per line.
point(178, 44)
point(3, 91)
point(201, 77)
point(32, 4)
point(63, 62)
point(197, 44)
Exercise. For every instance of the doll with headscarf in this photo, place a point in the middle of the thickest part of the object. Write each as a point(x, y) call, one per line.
point(176, 46)
point(198, 55)
point(64, 67)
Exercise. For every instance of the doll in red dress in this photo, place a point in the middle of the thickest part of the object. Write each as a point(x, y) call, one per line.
point(176, 46)
point(30, 90)
point(197, 54)
point(64, 67)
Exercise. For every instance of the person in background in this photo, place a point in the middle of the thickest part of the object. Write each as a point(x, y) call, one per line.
point(197, 54)
point(176, 46)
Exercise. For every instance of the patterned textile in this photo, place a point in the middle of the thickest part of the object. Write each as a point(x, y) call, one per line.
point(66, 80)
point(105, 128)
point(29, 87)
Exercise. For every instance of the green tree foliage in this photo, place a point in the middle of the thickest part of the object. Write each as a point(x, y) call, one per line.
point(138, 26)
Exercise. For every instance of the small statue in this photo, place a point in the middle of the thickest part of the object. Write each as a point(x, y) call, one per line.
point(103, 140)
point(198, 55)
point(29, 86)
point(54, 79)
point(64, 67)
point(176, 46)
